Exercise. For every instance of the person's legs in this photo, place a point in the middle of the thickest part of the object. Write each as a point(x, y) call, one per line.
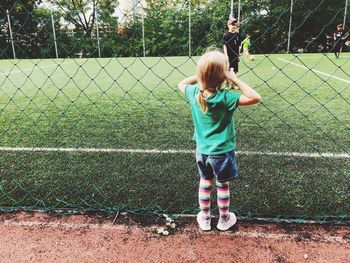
point(225, 169)
point(246, 53)
point(205, 186)
point(337, 50)
point(228, 84)
point(223, 198)
point(204, 217)
point(234, 66)
point(226, 219)
point(250, 56)
point(234, 58)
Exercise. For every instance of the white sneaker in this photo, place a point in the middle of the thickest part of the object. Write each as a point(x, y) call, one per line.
point(229, 222)
point(203, 224)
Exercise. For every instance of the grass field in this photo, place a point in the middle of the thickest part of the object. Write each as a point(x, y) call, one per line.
point(133, 103)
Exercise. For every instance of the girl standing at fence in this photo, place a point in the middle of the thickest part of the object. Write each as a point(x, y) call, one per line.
point(212, 112)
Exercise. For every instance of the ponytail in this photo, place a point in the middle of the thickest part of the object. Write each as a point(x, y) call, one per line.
point(202, 101)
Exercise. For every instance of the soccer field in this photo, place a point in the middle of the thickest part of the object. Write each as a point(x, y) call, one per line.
point(116, 134)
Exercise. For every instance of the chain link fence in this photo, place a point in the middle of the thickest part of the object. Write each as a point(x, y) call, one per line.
point(91, 119)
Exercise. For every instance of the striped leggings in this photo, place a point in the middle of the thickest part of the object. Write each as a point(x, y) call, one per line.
point(223, 197)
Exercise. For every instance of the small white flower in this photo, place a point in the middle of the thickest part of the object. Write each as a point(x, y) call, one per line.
point(160, 230)
point(165, 233)
point(172, 225)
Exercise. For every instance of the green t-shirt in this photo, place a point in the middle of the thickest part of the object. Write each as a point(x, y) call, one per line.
point(214, 131)
point(246, 43)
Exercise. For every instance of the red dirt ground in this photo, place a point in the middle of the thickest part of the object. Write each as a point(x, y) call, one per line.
point(36, 237)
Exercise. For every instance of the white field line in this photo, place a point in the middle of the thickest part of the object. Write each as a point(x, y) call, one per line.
point(317, 238)
point(318, 57)
point(316, 71)
point(35, 67)
point(170, 151)
point(253, 234)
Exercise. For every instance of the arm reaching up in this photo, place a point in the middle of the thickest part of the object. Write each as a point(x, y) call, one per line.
point(249, 96)
point(187, 81)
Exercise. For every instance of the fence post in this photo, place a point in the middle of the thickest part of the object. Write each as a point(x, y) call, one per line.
point(239, 11)
point(344, 19)
point(189, 29)
point(97, 34)
point(345, 13)
point(54, 34)
point(143, 30)
point(290, 25)
point(11, 37)
point(134, 8)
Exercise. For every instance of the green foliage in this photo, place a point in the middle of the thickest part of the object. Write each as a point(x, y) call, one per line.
point(80, 13)
point(24, 28)
point(106, 9)
point(166, 27)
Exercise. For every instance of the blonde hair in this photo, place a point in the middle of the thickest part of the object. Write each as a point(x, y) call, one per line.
point(212, 69)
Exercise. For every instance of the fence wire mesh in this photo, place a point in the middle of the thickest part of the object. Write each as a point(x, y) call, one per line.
point(91, 119)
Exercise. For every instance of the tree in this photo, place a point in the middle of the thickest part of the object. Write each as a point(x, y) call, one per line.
point(82, 13)
point(24, 28)
point(312, 21)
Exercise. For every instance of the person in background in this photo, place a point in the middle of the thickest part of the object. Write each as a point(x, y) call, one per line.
point(245, 46)
point(232, 43)
point(339, 37)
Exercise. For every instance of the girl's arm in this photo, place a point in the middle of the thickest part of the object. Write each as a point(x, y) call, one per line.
point(248, 96)
point(187, 81)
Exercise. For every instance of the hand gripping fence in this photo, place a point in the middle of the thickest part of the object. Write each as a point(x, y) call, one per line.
point(91, 119)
